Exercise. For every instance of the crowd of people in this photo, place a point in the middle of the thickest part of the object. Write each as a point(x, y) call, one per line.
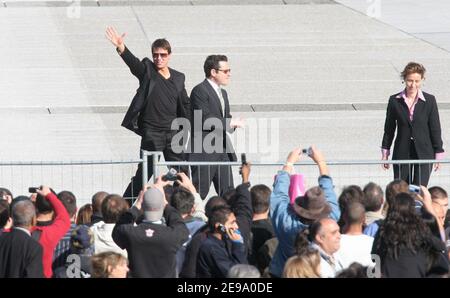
point(249, 231)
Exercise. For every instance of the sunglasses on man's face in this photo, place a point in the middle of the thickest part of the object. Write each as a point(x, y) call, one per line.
point(225, 71)
point(162, 55)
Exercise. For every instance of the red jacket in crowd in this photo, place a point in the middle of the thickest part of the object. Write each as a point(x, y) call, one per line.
point(51, 234)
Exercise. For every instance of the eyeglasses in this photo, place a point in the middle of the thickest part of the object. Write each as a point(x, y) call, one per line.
point(225, 71)
point(162, 55)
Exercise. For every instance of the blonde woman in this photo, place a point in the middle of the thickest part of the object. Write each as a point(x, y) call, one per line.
point(109, 265)
point(414, 115)
point(306, 265)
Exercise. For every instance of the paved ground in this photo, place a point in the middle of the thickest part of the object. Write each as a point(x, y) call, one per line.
point(326, 69)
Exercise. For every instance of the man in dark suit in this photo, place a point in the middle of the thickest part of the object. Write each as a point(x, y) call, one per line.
point(160, 99)
point(415, 115)
point(210, 141)
point(20, 254)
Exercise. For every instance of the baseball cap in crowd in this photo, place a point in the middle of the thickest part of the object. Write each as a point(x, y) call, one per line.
point(153, 204)
point(82, 239)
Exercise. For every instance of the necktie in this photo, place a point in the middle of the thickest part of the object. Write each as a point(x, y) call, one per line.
point(222, 102)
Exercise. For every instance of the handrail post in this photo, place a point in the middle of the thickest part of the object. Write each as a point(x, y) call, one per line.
point(144, 157)
point(155, 157)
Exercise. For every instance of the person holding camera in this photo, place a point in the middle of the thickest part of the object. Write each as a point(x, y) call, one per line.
point(52, 223)
point(160, 99)
point(151, 245)
point(415, 116)
point(288, 220)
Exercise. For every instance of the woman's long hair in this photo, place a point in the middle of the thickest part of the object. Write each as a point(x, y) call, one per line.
point(403, 228)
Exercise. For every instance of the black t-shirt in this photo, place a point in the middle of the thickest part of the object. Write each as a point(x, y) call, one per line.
point(262, 231)
point(161, 107)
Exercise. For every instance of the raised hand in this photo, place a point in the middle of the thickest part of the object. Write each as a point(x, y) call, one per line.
point(160, 183)
point(319, 159)
point(437, 166)
point(186, 182)
point(43, 191)
point(245, 172)
point(237, 123)
point(317, 155)
point(294, 155)
point(115, 38)
point(386, 165)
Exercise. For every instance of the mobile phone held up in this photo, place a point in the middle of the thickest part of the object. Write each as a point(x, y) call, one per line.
point(243, 159)
point(222, 228)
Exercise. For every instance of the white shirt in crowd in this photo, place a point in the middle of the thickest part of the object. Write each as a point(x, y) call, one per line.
point(329, 265)
point(355, 248)
point(103, 239)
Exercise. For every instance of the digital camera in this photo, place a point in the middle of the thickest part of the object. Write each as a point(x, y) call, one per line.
point(172, 175)
point(307, 151)
point(414, 188)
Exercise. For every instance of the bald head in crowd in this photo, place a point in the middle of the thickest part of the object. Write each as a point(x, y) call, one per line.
point(24, 214)
point(327, 235)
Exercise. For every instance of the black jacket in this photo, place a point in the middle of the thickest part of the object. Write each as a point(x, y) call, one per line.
point(425, 128)
point(188, 270)
point(430, 259)
point(145, 71)
point(262, 230)
point(204, 99)
point(242, 209)
point(20, 255)
point(216, 257)
point(151, 247)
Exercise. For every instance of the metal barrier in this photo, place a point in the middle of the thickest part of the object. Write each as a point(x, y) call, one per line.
point(83, 178)
point(344, 173)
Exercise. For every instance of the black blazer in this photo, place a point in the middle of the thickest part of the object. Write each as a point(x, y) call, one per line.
point(425, 128)
point(205, 99)
point(20, 255)
point(145, 70)
point(151, 247)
